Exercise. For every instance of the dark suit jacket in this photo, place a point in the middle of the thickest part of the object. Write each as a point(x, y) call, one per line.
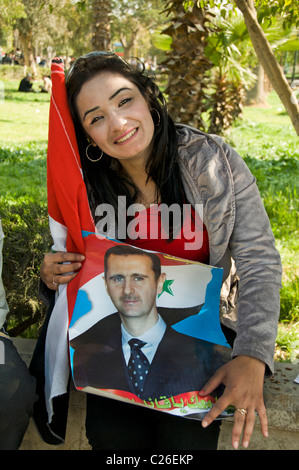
point(181, 363)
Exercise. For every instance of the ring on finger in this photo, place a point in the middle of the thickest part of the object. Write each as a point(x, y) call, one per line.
point(55, 283)
point(243, 411)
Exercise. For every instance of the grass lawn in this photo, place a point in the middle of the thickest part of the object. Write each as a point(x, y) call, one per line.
point(24, 116)
point(264, 137)
point(23, 143)
point(269, 144)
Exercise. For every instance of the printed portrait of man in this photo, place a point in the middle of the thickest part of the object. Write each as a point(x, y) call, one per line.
point(136, 349)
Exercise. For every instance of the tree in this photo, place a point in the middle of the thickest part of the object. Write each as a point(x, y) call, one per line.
point(268, 61)
point(231, 75)
point(76, 39)
point(186, 63)
point(101, 10)
point(133, 20)
point(32, 25)
point(10, 10)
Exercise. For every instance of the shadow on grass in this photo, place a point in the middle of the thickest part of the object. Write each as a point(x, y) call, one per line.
point(11, 93)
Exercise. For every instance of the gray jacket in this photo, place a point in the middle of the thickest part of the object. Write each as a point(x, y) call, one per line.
point(240, 239)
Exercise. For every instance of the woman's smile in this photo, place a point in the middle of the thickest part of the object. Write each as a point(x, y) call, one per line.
point(126, 136)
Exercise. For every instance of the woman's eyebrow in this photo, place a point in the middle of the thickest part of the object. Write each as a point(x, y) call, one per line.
point(117, 92)
point(90, 111)
point(111, 98)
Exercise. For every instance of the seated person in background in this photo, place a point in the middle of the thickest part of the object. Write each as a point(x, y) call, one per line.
point(47, 86)
point(26, 84)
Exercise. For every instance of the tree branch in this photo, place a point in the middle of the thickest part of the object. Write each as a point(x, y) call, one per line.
point(268, 61)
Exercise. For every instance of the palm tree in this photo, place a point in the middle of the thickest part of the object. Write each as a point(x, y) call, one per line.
point(186, 64)
point(101, 10)
point(231, 75)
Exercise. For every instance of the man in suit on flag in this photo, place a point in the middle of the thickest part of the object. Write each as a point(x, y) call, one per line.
point(174, 363)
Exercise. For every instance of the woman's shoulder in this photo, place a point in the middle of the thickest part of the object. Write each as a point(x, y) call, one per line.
point(188, 133)
point(202, 151)
point(194, 141)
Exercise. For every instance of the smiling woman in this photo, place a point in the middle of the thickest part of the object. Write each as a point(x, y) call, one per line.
point(148, 159)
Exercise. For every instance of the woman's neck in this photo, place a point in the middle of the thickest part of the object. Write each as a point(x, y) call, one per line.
point(146, 186)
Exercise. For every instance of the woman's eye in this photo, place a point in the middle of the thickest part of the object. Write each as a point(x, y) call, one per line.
point(95, 119)
point(124, 101)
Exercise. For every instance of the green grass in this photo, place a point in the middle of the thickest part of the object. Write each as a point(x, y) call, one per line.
point(23, 143)
point(269, 144)
point(24, 116)
point(264, 137)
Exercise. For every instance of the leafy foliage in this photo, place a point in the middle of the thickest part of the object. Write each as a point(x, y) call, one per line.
point(186, 63)
point(27, 239)
point(226, 104)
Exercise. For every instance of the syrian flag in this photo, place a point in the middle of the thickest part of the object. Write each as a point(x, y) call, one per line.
point(69, 214)
point(68, 205)
point(188, 303)
point(191, 291)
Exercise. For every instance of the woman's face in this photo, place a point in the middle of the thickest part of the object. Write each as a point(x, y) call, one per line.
point(116, 117)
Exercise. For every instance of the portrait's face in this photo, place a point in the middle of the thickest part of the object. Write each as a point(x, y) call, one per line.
point(116, 117)
point(131, 284)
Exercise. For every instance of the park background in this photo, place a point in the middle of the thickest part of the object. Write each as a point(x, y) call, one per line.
point(202, 50)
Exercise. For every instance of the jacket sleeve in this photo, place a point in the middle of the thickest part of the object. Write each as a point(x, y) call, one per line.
point(258, 264)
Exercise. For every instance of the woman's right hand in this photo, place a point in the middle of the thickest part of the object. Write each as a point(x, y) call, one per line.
point(60, 268)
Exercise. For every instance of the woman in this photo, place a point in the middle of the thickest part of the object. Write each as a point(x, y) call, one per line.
point(130, 147)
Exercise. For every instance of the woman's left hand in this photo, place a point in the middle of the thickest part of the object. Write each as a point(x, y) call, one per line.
point(243, 378)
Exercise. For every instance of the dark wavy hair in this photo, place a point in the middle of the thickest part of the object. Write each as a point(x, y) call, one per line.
point(103, 179)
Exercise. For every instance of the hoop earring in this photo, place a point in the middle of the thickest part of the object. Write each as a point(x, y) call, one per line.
point(158, 123)
point(91, 159)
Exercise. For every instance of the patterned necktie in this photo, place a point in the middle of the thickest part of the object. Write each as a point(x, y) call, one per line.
point(138, 365)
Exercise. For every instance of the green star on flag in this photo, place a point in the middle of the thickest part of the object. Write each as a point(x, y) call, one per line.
point(166, 287)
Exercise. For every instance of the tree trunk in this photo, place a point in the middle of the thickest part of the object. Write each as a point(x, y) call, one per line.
point(101, 25)
point(187, 64)
point(128, 44)
point(260, 92)
point(27, 46)
point(268, 61)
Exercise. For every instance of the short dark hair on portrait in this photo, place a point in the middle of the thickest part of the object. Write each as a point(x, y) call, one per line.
point(127, 250)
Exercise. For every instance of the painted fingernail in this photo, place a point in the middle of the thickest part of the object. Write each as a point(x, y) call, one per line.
point(235, 444)
point(245, 444)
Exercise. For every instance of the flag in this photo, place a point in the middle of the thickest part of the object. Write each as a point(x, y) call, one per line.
point(188, 304)
point(67, 199)
point(69, 214)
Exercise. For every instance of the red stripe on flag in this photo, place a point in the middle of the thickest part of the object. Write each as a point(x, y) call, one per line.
point(67, 197)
